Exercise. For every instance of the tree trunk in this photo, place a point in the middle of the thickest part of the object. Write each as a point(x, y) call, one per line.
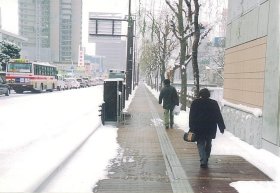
point(162, 77)
point(195, 49)
point(183, 70)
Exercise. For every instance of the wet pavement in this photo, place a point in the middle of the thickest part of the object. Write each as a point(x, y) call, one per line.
point(153, 159)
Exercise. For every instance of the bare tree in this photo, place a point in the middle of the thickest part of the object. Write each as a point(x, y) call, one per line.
point(156, 45)
point(149, 62)
point(187, 30)
point(181, 29)
point(165, 41)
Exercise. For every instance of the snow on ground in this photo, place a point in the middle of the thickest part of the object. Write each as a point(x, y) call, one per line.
point(42, 134)
point(89, 165)
point(55, 136)
point(228, 144)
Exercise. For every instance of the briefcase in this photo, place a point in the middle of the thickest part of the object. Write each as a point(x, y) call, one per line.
point(189, 136)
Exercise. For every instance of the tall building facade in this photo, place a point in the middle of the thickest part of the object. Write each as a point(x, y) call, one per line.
point(53, 29)
point(105, 31)
point(252, 71)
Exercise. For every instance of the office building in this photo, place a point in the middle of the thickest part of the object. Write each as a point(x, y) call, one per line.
point(53, 29)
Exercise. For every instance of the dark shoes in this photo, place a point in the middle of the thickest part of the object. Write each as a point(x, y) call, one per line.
point(171, 127)
point(204, 165)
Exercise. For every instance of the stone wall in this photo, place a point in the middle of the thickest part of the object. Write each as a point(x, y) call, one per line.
point(244, 125)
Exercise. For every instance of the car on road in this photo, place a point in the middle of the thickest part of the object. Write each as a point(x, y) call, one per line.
point(87, 81)
point(4, 87)
point(61, 84)
point(72, 83)
point(83, 84)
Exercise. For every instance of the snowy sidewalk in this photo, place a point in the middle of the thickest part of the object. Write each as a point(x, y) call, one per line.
point(142, 167)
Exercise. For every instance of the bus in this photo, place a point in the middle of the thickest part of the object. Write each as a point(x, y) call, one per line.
point(22, 75)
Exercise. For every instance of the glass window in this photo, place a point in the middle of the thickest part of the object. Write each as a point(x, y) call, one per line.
point(20, 67)
point(43, 70)
point(38, 69)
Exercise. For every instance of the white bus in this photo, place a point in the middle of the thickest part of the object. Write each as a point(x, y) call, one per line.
point(22, 76)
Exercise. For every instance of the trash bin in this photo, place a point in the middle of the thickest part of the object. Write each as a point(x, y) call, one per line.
point(113, 99)
point(122, 96)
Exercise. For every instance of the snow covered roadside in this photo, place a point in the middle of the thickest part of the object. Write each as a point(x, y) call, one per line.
point(265, 161)
point(228, 144)
point(87, 169)
point(40, 140)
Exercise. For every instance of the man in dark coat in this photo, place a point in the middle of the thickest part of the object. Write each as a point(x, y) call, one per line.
point(204, 117)
point(170, 98)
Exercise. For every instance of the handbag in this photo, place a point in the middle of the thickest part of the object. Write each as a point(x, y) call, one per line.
point(189, 136)
point(177, 109)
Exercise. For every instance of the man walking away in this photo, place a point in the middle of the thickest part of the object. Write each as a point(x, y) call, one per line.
point(170, 98)
point(204, 117)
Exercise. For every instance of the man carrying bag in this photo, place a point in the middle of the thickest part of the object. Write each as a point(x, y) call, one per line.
point(204, 117)
point(170, 98)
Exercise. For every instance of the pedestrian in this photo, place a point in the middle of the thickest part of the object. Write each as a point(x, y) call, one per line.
point(170, 98)
point(204, 117)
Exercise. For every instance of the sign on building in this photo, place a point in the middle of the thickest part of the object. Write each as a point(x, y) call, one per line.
point(81, 60)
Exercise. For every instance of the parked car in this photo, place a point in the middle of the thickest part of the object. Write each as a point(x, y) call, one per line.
point(61, 84)
point(98, 81)
point(82, 82)
point(87, 81)
point(4, 87)
point(72, 83)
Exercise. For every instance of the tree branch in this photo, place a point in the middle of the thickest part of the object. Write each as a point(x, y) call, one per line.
point(171, 7)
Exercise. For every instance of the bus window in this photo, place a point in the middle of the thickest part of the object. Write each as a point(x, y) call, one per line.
point(43, 70)
point(55, 72)
point(19, 67)
point(48, 71)
point(37, 69)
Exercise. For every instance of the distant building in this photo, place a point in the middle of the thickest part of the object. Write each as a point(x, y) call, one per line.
point(98, 62)
point(11, 37)
point(218, 41)
point(252, 73)
point(53, 29)
point(105, 31)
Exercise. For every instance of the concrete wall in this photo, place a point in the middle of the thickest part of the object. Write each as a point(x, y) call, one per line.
point(252, 71)
point(244, 73)
point(271, 133)
point(245, 55)
point(247, 22)
point(244, 125)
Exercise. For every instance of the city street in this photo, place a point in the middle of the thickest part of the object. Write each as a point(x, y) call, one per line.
point(53, 142)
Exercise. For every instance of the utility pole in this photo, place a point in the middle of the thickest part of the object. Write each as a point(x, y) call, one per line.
point(129, 57)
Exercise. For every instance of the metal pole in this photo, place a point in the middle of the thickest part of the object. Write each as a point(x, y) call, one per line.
point(129, 61)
